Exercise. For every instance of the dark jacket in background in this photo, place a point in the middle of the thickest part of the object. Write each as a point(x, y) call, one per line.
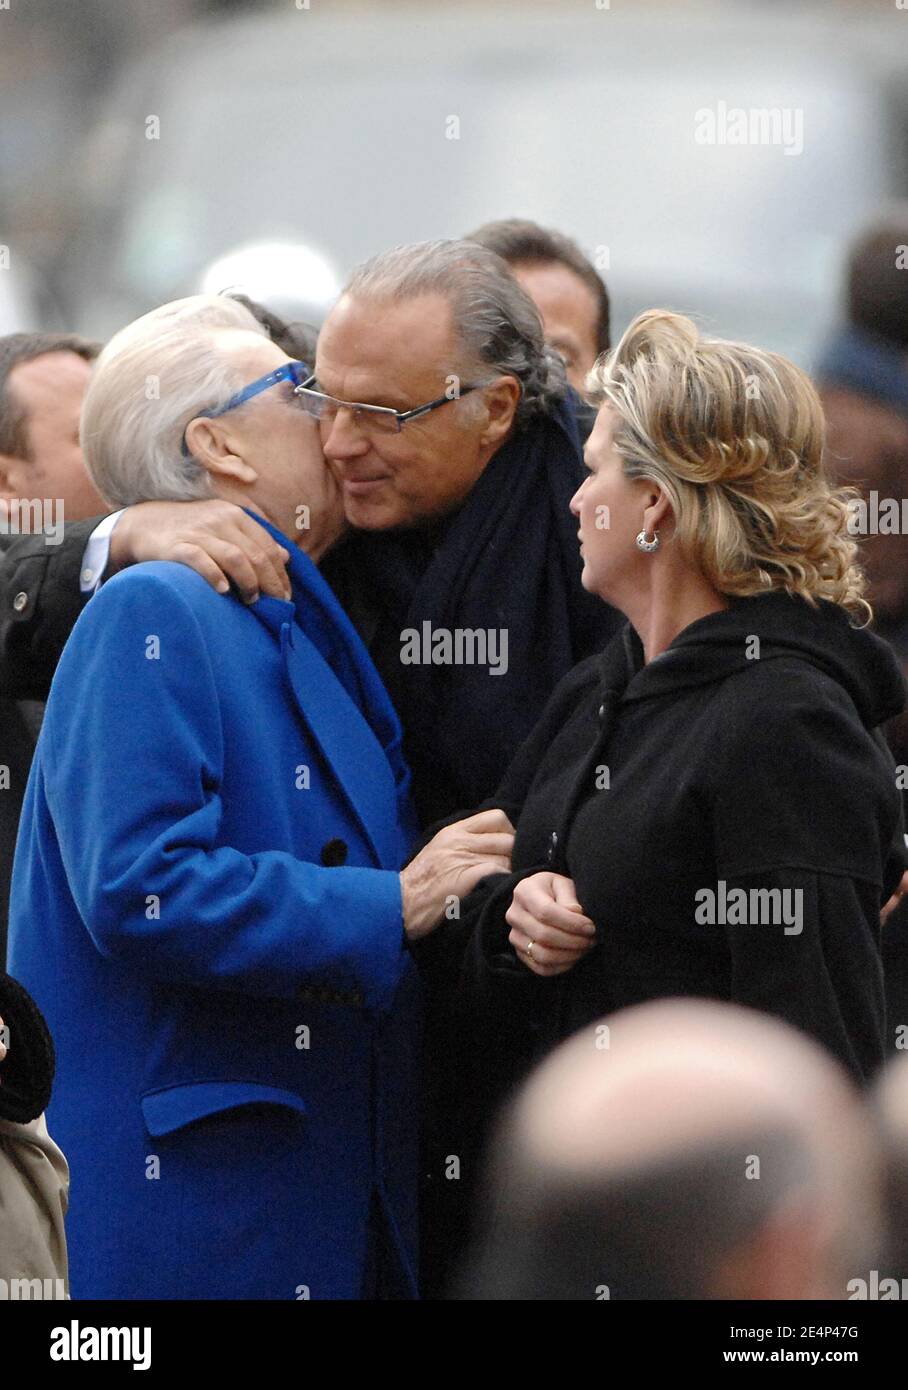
point(648, 783)
point(27, 666)
point(40, 600)
point(864, 386)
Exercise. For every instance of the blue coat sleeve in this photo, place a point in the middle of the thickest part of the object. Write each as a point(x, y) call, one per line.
point(132, 766)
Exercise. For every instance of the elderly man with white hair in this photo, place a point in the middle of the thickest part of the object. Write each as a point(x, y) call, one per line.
point(208, 902)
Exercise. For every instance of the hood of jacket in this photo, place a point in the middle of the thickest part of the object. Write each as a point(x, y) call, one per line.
point(714, 647)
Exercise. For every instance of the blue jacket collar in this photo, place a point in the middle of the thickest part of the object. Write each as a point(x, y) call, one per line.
point(340, 696)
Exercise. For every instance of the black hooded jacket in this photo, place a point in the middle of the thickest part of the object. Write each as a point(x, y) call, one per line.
point(745, 757)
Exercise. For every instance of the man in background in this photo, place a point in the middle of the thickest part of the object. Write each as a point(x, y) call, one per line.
point(562, 282)
point(682, 1150)
point(863, 378)
point(43, 379)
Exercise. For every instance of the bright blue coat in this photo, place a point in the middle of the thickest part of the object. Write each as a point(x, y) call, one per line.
point(234, 1010)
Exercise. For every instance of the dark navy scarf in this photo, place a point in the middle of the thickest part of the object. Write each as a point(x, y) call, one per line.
point(507, 559)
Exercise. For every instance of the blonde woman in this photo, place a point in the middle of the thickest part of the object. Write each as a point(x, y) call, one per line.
point(706, 808)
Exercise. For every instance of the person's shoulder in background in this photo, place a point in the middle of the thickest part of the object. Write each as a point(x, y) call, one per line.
point(34, 1176)
point(40, 600)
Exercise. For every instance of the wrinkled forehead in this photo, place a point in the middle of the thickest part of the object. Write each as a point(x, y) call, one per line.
point(385, 347)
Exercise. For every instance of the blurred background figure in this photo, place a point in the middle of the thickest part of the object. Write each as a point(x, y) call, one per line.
point(863, 373)
point(34, 1175)
point(562, 282)
point(681, 1150)
point(43, 379)
point(142, 143)
point(863, 376)
point(892, 1107)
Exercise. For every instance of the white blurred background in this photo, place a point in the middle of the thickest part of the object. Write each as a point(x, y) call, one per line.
point(144, 141)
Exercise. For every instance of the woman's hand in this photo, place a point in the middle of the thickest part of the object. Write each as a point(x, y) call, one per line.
point(451, 865)
point(215, 538)
point(900, 891)
point(549, 930)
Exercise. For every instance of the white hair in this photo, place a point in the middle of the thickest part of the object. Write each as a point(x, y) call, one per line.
point(152, 378)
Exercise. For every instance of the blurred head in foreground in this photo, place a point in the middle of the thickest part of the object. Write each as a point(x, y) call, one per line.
point(680, 1151)
point(892, 1109)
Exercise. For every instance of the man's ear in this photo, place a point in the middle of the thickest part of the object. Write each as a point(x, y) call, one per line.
point(501, 399)
point(211, 445)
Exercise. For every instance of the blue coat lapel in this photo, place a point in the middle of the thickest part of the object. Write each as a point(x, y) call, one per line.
point(345, 739)
point(349, 746)
point(374, 781)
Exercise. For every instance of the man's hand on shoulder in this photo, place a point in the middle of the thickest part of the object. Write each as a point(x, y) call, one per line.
point(217, 539)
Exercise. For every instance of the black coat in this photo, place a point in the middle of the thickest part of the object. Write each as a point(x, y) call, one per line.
point(647, 784)
point(31, 639)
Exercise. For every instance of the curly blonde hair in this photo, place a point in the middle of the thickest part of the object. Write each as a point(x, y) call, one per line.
point(735, 437)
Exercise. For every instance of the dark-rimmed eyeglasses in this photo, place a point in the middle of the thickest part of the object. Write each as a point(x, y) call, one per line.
point(381, 419)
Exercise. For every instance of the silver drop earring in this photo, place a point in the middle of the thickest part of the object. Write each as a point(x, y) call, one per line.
point(648, 546)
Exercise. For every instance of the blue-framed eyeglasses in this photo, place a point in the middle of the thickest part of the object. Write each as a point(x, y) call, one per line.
point(295, 372)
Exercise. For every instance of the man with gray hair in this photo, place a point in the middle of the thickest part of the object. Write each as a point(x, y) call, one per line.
point(457, 443)
point(681, 1150)
point(460, 510)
